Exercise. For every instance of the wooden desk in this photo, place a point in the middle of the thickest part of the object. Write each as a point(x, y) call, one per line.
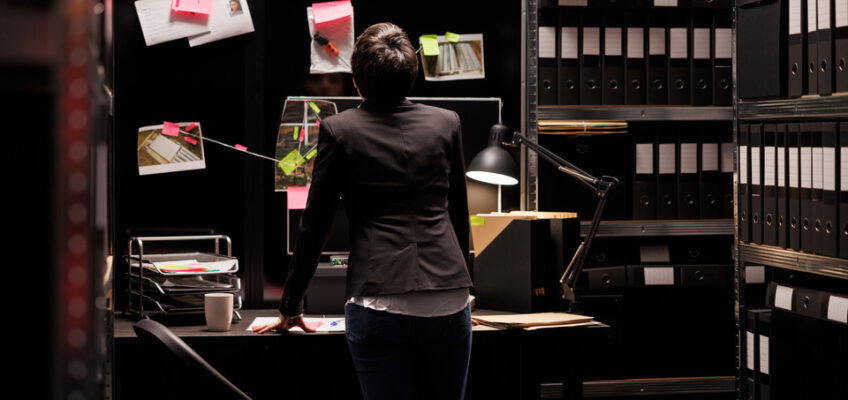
point(504, 364)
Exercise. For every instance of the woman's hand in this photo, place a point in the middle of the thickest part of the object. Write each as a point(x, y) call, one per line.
point(283, 324)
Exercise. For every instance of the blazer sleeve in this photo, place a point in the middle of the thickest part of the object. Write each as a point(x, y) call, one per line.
point(457, 195)
point(321, 204)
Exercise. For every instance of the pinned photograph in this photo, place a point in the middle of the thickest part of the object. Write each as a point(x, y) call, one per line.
point(235, 8)
point(170, 147)
point(297, 140)
point(452, 57)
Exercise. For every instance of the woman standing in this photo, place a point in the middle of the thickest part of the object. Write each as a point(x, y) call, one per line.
point(398, 167)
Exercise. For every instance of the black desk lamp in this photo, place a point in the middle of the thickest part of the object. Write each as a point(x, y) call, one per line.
point(497, 167)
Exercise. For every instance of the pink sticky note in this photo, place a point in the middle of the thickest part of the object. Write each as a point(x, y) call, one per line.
point(318, 124)
point(297, 197)
point(314, 325)
point(190, 126)
point(240, 147)
point(330, 11)
point(192, 6)
point(170, 129)
point(300, 138)
point(190, 140)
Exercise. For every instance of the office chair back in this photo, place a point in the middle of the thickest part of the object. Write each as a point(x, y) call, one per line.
point(160, 336)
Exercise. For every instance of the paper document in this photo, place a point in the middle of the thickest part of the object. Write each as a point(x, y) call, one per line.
point(320, 324)
point(193, 266)
point(228, 19)
point(159, 25)
point(513, 321)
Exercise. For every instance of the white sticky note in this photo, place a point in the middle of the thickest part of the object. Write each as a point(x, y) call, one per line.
point(783, 297)
point(768, 165)
point(547, 42)
point(755, 274)
point(807, 167)
point(837, 309)
point(723, 43)
point(793, 167)
point(644, 158)
point(824, 14)
point(727, 157)
point(569, 43)
point(781, 167)
point(665, 3)
point(701, 43)
point(612, 41)
point(828, 168)
point(841, 13)
point(677, 43)
point(659, 276)
point(709, 157)
point(636, 42)
point(743, 165)
point(818, 176)
point(591, 41)
point(656, 41)
point(795, 17)
point(843, 169)
point(573, 3)
point(812, 16)
point(764, 354)
point(755, 166)
point(667, 159)
point(688, 158)
point(652, 254)
point(749, 350)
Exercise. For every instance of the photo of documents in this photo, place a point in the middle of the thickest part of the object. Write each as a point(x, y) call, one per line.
point(456, 59)
point(160, 152)
point(297, 141)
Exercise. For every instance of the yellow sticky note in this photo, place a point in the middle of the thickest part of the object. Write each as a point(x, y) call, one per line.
point(291, 161)
point(429, 45)
point(451, 37)
point(477, 220)
point(315, 108)
point(296, 131)
point(311, 154)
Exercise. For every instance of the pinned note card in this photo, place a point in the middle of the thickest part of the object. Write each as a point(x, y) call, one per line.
point(451, 37)
point(192, 6)
point(296, 197)
point(429, 45)
point(291, 161)
point(170, 129)
point(329, 11)
point(338, 32)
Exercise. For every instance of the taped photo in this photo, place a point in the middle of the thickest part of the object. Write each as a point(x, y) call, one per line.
point(177, 148)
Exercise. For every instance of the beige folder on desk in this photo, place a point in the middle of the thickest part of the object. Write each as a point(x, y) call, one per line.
point(520, 321)
point(486, 227)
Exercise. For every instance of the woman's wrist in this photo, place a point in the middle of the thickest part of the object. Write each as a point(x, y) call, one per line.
point(292, 316)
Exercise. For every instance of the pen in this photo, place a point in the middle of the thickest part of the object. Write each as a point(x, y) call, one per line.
point(326, 44)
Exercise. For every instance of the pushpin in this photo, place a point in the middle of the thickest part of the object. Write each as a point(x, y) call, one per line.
point(326, 44)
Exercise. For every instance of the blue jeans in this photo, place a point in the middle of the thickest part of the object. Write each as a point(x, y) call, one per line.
point(404, 357)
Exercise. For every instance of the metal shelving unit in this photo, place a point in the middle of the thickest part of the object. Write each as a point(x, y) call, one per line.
point(635, 113)
point(661, 228)
point(811, 107)
point(793, 260)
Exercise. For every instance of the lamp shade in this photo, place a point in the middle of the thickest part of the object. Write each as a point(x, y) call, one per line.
point(494, 165)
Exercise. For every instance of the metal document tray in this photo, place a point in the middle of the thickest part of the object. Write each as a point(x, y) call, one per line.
point(201, 257)
point(190, 284)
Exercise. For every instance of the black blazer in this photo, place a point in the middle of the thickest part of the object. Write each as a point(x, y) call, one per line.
point(400, 172)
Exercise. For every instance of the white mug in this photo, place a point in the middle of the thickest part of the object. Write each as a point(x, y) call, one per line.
point(219, 311)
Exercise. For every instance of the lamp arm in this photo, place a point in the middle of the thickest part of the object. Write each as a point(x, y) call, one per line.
point(561, 164)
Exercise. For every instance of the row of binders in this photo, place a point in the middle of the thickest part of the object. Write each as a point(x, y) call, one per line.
point(678, 176)
point(793, 186)
point(664, 56)
point(792, 48)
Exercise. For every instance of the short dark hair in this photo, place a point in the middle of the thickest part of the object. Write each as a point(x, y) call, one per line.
point(384, 63)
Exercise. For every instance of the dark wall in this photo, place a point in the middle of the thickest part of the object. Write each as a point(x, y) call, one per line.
point(236, 88)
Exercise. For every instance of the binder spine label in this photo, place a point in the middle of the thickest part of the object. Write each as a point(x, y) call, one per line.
point(764, 354)
point(817, 168)
point(569, 43)
point(635, 43)
point(665, 3)
point(677, 43)
point(709, 157)
point(727, 157)
point(837, 309)
point(612, 41)
point(783, 297)
point(743, 165)
point(793, 167)
point(723, 43)
point(811, 16)
point(573, 3)
point(656, 41)
point(688, 158)
point(843, 169)
point(795, 17)
point(841, 13)
point(659, 276)
point(644, 158)
point(824, 14)
point(755, 167)
point(768, 165)
point(807, 167)
point(829, 174)
point(749, 351)
point(781, 168)
point(666, 158)
point(547, 42)
point(701, 44)
point(591, 41)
